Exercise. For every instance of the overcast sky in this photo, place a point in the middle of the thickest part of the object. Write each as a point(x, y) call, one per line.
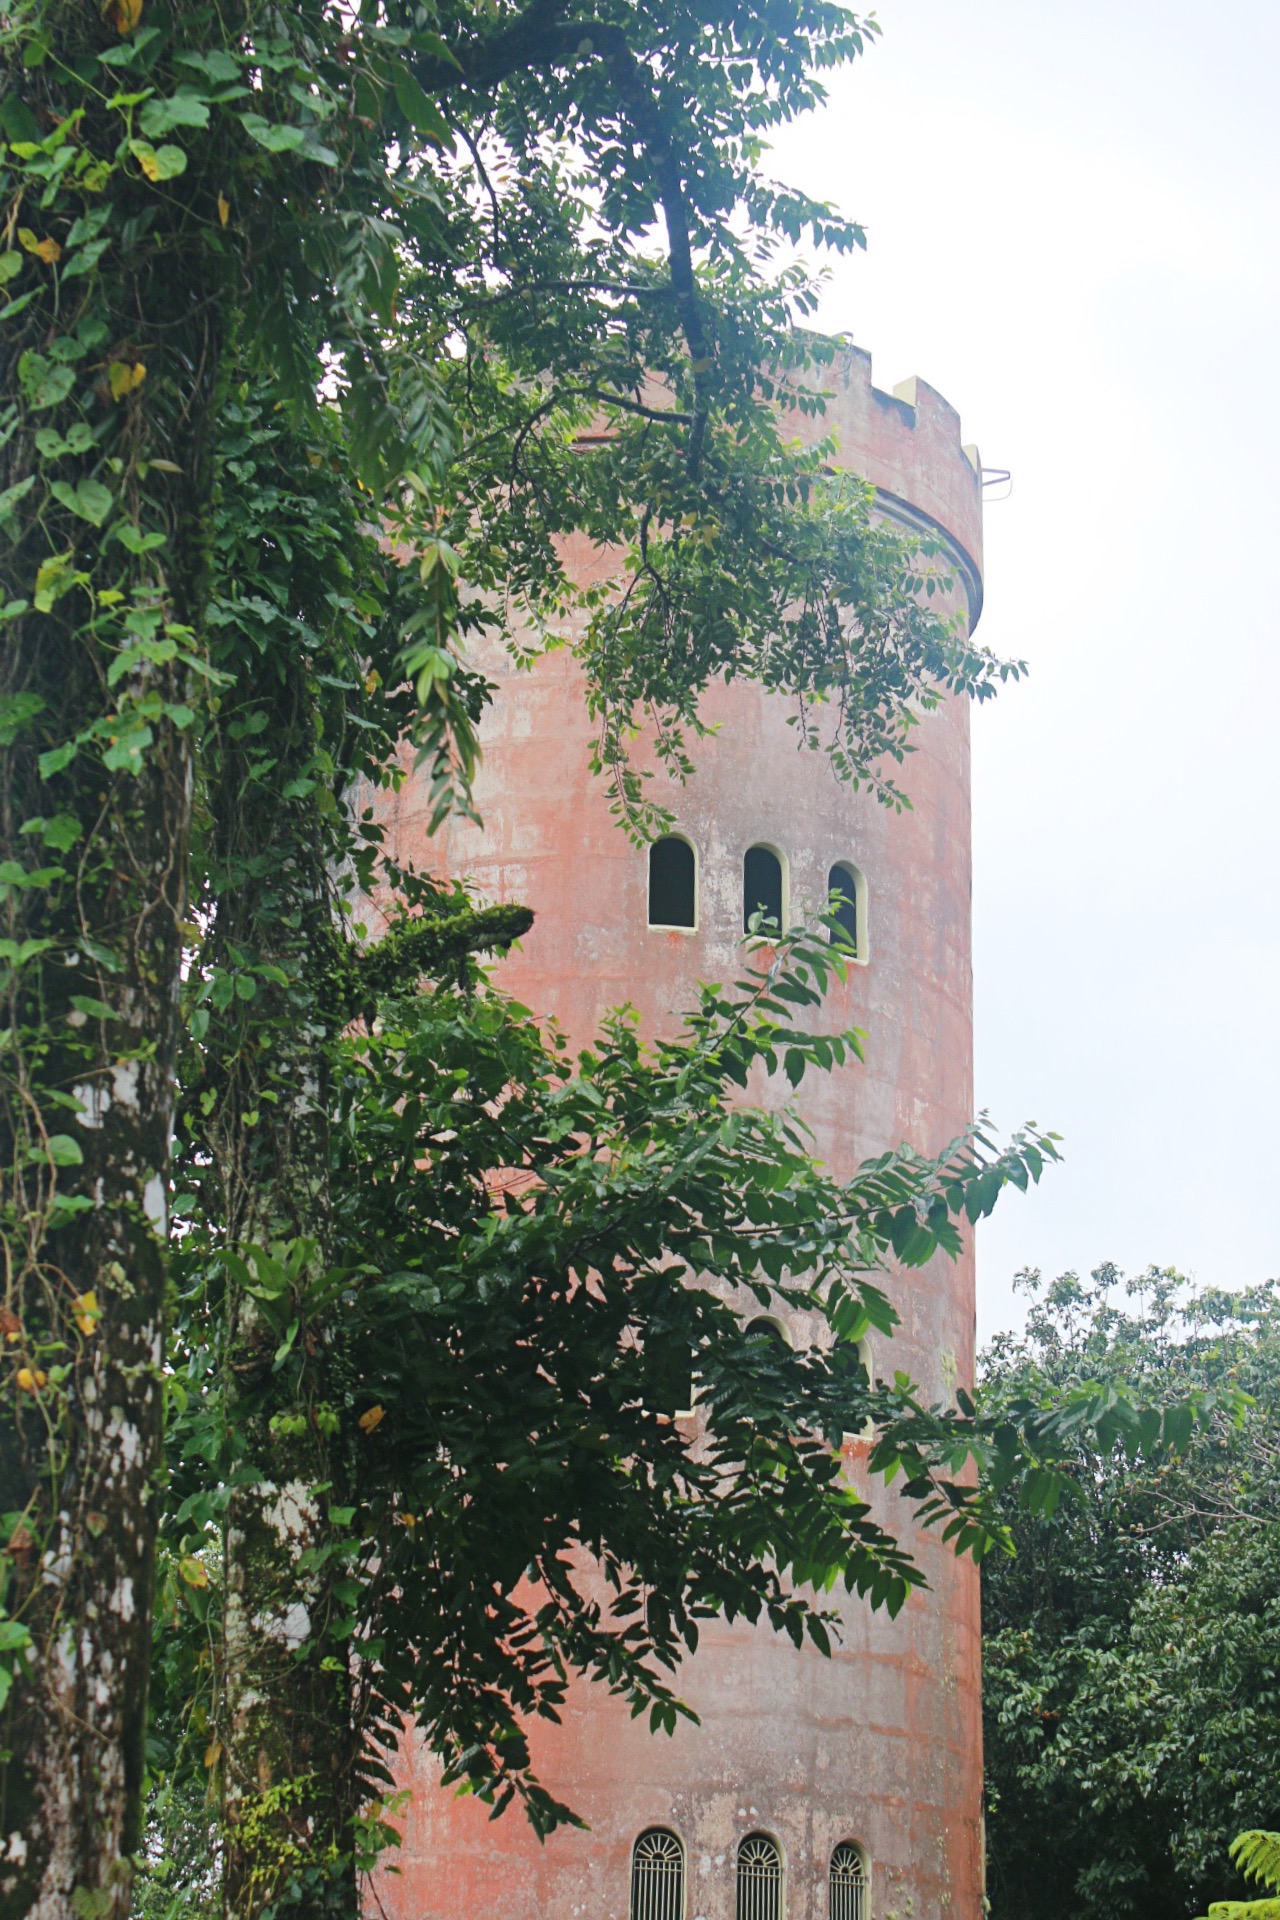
point(1072, 216)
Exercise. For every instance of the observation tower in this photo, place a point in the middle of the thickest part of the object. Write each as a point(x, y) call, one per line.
point(814, 1788)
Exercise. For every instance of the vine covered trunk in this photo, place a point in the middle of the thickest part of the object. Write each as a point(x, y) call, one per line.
point(110, 351)
point(284, 1747)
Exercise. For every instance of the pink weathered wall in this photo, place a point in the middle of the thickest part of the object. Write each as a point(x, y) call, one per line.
point(881, 1744)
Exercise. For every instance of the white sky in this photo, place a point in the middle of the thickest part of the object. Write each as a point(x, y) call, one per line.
point(1073, 219)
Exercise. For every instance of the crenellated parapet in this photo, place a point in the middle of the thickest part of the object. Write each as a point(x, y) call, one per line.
point(908, 444)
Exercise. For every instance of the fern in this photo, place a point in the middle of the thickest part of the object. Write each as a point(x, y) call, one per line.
point(1258, 1857)
point(1257, 1854)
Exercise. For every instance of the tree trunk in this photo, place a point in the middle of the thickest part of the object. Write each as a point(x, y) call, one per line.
point(108, 375)
point(85, 1314)
point(284, 1722)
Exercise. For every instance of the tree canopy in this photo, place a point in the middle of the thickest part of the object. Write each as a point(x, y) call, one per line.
point(1129, 1647)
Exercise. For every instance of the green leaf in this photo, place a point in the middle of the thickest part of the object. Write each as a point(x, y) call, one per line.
point(124, 754)
point(17, 120)
point(45, 383)
point(64, 1151)
point(271, 134)
point(14, 874)
point(130, 53)
point(179, 110)
point(12, 495)
point(217, 65)
point(60, 832)
point(158, 163)
point(134, 541)
point(17, 711)
point(88, 498)
point(54, 578)
point(85, 258)
point(56, 759)
point(422, 113)
point(52, 445)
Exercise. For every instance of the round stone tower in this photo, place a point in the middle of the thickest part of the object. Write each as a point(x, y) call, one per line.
point(813, 1789)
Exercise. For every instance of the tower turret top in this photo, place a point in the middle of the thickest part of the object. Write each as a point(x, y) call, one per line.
point(908, 444)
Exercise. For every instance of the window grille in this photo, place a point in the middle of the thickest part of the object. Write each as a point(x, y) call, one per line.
point(673, 883)
point(657, 1876)
point(848, 1883)
point(762, 887)
point(759, 1879)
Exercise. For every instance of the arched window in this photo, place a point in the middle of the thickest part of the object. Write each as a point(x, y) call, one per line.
point(673, 883)
point(657, 1876)
point(759, 1879)
point(762, 888)
point(848, 1883)
point(763, 1327)
point(847, 898)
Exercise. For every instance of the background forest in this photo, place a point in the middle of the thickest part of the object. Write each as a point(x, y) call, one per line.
point(1131, 1649)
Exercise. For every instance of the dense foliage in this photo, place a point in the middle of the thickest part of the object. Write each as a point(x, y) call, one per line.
point(421, 242)
point(308, 311)
point(1130, 1649)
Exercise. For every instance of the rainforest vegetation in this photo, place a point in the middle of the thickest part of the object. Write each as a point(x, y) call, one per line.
point(322, 326)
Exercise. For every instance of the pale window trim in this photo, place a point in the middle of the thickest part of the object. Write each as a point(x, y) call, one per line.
point(761, 1879)
point(767, 846)
point(670, 926)
point(840, 872)
point(868, 1432)
point(849, 1884)
point(657, 1875)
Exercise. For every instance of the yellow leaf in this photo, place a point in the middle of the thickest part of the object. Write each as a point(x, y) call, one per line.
point(123, 15)
point(368, 1421)
point(372, 680)
point(31, 1382)
point(194, 1571)
point(87, 1311)
point(213, 1753)
point(125, 378)
point(46, 250)
point(224, 209)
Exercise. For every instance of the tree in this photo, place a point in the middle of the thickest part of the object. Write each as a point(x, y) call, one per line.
point(1129, 1645)
point(232, 196)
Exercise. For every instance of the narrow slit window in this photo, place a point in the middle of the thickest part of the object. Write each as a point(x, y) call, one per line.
point(848, 1883)
point(762, 888)
point(759, 1879)
point(657, 1876)
point(847, 901)
point(673, 883)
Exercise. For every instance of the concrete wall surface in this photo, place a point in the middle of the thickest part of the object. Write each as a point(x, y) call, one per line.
point(881, 1744)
